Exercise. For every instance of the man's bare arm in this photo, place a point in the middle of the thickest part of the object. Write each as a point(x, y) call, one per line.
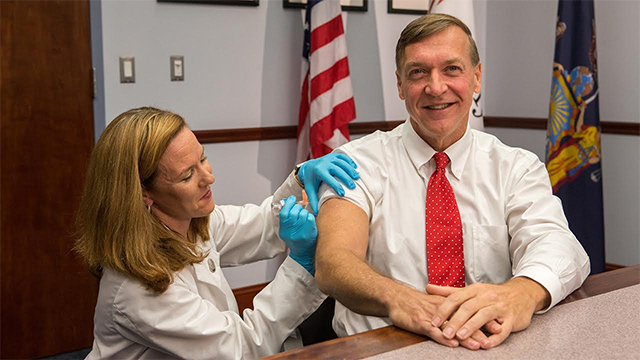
point(341, 272)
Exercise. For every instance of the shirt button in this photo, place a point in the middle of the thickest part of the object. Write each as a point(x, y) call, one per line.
point(212, 265)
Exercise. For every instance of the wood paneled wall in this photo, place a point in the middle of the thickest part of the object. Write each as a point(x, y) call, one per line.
point(48, 296)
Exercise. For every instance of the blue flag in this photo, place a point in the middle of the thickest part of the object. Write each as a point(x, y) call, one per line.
point(573, 130)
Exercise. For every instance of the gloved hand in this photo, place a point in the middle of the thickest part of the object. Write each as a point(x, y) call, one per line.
point(298, 230)
point(326, 169)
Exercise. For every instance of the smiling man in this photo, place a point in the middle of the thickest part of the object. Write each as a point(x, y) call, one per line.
point(442, 206)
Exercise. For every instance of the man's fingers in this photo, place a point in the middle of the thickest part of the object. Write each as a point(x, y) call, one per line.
point(467, 323)
point(436, 335)
point(470, 344)
point(493, 327)
point(451, 304)
point(497, 339)
point(481, 338)
point(440, 290)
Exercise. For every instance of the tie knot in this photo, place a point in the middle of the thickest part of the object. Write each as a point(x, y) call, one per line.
point(441, 160)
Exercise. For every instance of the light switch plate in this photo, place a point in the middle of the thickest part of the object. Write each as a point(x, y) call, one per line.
point(177, 68)
point(127, 70)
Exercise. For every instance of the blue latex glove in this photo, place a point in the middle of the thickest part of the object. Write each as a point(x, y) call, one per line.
point(298, 230)
point(327, 169)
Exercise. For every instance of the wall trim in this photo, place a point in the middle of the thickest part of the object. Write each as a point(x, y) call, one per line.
point(246, 134)
point(359, 128)
point(608, 127)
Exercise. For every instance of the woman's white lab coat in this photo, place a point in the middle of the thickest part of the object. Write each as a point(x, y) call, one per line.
point(197, 317)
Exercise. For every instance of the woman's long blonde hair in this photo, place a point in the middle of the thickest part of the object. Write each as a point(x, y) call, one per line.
point(115, 228)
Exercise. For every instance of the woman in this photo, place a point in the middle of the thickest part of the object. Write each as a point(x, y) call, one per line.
point(150, 230)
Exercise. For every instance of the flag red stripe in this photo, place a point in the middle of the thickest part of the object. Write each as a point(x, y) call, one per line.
point(325, 33)
point(320, 150)
point(325, 80)
point(341, 115)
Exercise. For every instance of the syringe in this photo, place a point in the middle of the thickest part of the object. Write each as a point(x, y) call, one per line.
point(304, 202)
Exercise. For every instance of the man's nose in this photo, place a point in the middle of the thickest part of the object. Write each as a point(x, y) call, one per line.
point(436, 85)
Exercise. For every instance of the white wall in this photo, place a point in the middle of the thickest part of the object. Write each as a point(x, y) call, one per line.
point(242, 69)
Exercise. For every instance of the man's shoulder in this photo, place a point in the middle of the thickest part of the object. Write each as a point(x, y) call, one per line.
point(493, 147)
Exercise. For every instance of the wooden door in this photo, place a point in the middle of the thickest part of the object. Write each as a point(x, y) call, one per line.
point(46, 89)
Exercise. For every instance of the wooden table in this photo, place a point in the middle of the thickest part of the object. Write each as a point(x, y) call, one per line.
point(390, 338)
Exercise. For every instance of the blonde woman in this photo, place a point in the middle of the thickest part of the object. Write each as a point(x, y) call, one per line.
point(149, 228)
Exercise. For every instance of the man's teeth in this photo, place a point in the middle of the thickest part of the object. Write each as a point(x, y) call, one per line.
point(437, 107)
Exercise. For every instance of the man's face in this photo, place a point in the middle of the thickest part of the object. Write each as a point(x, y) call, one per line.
point(437, 82)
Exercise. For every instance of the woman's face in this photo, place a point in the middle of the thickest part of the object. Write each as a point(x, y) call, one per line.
point(181, 189)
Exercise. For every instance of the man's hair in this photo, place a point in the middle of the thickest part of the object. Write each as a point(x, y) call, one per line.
point(429, 25)
point(114, 228)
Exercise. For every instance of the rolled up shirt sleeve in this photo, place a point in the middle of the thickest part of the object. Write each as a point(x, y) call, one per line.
point(542, 246)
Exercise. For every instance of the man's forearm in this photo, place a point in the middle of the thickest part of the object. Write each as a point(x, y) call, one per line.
point(355, 284)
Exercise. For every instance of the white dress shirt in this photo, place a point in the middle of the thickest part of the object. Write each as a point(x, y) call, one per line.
point(512, 223)
point(197, 317)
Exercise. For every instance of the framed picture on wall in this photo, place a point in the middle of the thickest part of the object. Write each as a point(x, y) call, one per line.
point(408, 6)
point(347, 5)
point(217, 2)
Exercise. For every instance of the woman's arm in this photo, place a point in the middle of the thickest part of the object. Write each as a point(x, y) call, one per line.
point(183, 324)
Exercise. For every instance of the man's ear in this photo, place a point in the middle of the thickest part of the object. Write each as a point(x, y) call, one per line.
point(478, 76)
point(399, 84)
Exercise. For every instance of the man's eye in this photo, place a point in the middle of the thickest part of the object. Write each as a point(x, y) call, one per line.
point(415, 71)
point(453, 68)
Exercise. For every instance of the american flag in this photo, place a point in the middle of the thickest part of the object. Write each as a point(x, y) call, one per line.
point(326, 103)
point(463, 10)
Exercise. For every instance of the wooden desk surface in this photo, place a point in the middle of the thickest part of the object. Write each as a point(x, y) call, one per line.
point(390, 338)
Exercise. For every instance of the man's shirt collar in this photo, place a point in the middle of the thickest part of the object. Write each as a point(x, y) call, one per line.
point(420, 152)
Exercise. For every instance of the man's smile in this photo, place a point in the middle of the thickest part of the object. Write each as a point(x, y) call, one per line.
point(438, 106)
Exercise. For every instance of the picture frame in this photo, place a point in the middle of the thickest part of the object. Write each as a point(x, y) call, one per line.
point(216, 2)
point(417, 7)
point(347, 5)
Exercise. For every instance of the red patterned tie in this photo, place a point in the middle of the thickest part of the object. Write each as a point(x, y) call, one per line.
point(445, 257)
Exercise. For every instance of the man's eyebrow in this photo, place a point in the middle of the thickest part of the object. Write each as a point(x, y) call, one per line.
point(453, 61)
point(412, 64)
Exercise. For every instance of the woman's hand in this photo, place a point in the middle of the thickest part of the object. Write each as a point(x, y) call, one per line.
point(327, 169)
point(298, 230)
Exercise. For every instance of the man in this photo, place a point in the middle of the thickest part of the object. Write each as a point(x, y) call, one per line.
point(375, 251)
